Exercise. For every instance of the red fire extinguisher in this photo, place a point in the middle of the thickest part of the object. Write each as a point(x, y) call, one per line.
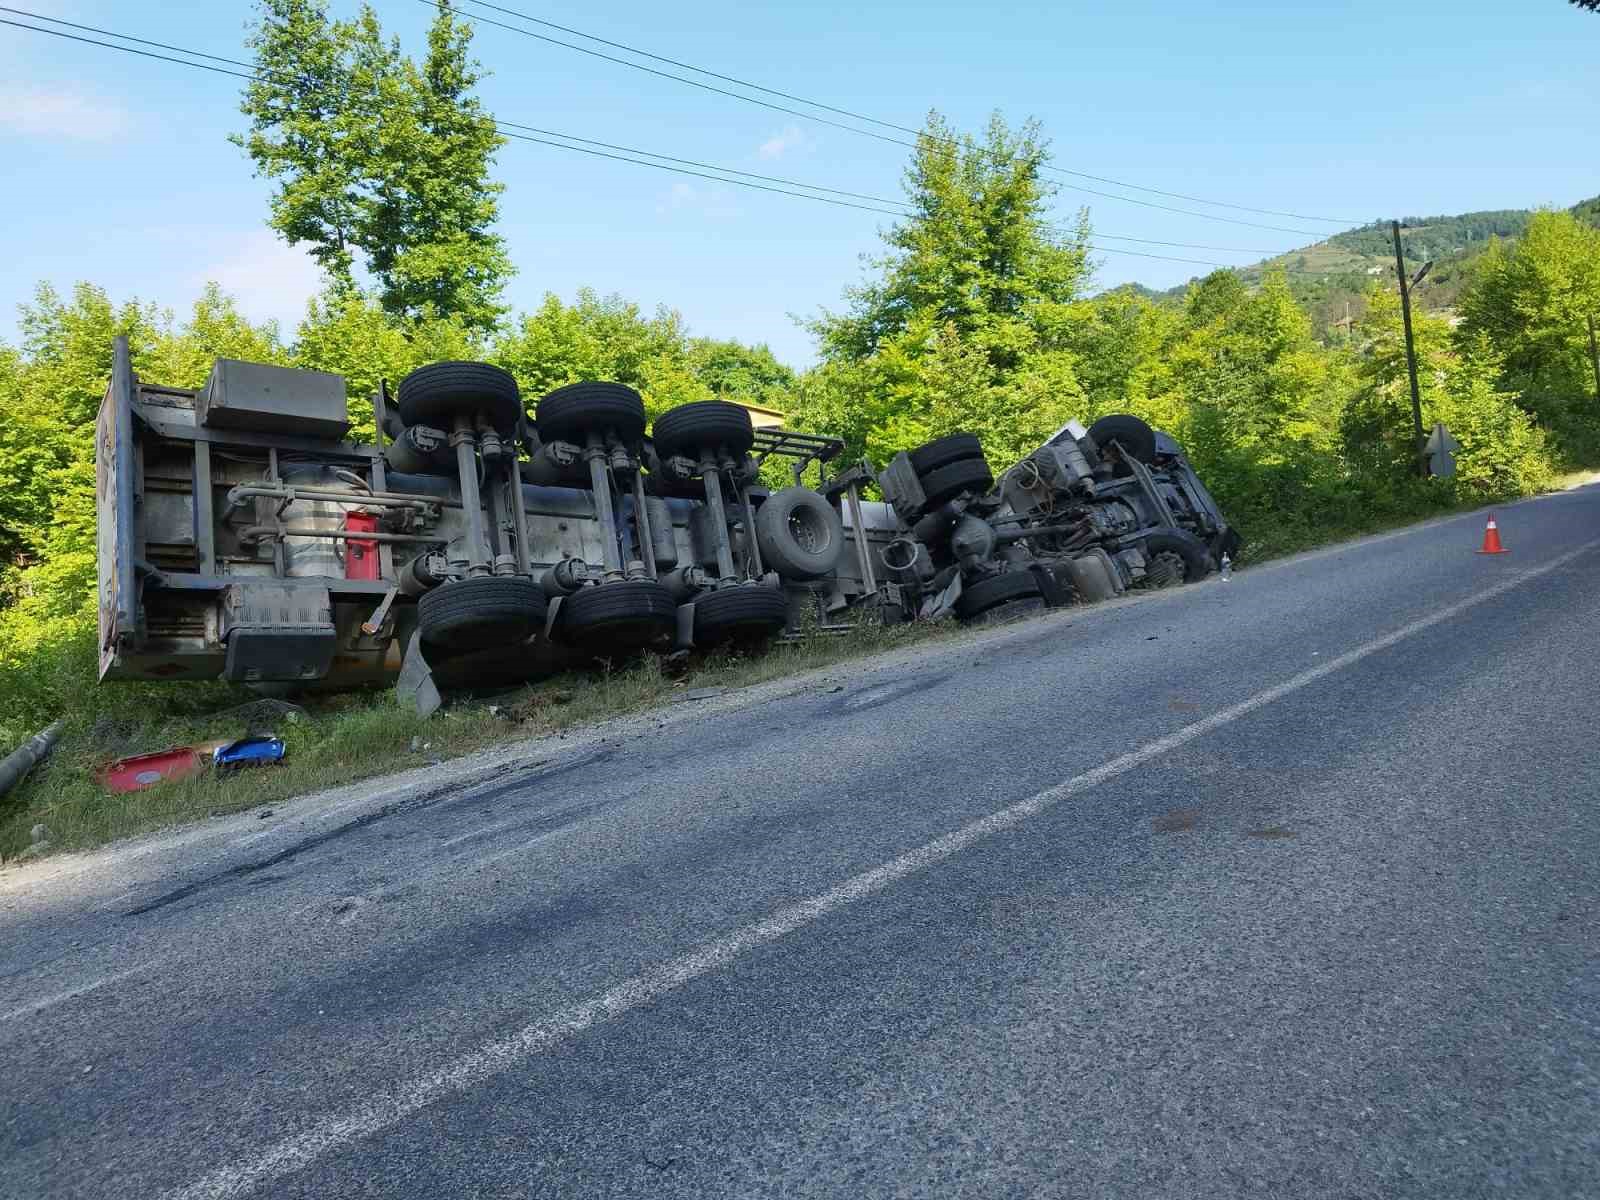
point(361, 555)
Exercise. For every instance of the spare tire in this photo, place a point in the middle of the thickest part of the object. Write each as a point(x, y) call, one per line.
point(480, 612)
point(941, 452)
point(1197, 562)
point(692, 429)
point(747, 613)
point(437, 394)
point(799, 534)
point(625, 615)
point(966, 475)
point(569, 413)
point(1132, 434)
point(994, 590)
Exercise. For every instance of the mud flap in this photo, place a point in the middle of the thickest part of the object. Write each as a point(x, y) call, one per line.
point(415, 684)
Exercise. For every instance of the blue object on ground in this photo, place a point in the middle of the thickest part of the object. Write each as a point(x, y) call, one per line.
point(249, 752)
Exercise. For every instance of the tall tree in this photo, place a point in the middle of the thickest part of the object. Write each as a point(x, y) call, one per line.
point(380, 163)
point(1533, 301)
point(967, 323)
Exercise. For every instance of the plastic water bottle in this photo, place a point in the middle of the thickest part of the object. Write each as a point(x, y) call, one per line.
point(1226, 570)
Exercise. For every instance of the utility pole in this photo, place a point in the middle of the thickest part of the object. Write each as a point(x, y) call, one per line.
point(1411, 351)
point(1594, 355)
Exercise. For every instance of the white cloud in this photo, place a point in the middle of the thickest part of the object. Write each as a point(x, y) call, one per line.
point(270, 280)
point(28, 110)
point(715, 203)
point(780, 144)
point(679, 195)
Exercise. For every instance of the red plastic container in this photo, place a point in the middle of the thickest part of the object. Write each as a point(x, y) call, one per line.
point(147, 770)
point(360, 557)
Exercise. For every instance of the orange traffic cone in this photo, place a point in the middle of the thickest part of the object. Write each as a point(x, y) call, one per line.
point(1491, 539)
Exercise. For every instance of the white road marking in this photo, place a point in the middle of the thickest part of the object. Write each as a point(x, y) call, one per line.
point(466, 1071)
point(27, 1010)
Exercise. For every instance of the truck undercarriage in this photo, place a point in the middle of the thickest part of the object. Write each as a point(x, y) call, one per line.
point(243, 537)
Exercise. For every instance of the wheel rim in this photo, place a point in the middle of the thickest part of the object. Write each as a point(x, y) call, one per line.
point(809, 533)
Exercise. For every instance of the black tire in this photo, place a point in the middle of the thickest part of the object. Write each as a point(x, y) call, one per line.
point(967, 475)
point(994, 590)
point(692, 429)
point(436, 394)
point(617, 617)
point(1197, 562)
point(799, 534)
point(1132, 434)
point(569, 413)
point(747, 613)
point(485, 611)
point(941, 452)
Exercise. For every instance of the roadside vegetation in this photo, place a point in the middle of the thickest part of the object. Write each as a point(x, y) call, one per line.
point(980, 315)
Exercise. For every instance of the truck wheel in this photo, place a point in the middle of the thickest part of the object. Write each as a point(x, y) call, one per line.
point(1132, 434)
point(941, 452)
point(569, 413)
point(436, 394)
point(692, 429)
point(995, 590)
point(619, 616)
point(799, 534)
point(748, 613)
point(1182, 544)
point(966, 475)
point(477, 613)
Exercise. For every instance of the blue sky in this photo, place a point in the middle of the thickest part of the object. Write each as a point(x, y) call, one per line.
point(119, 171)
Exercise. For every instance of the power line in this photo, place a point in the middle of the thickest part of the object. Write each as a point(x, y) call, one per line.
point(125, 49)
point(508, 128)
point(853, 195)
point(857, 116)
point(482, 20)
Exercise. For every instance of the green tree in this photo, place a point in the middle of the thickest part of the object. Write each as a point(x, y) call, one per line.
point(349, 333)
point(1532, 302)
point(968, 322)
point(379, 157)
point(1503, 452)
point(600, 338)
point(731, 370)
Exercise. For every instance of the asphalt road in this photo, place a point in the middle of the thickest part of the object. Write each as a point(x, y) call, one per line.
point(1279, 887)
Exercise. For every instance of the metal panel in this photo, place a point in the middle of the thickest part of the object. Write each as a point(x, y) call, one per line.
point(271, 399)
point(205, 532)
point(115, 533)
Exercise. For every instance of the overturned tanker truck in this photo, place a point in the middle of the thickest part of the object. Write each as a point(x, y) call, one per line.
point(242, 536)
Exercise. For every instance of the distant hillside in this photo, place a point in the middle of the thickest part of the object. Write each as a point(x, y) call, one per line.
point(1331, 277)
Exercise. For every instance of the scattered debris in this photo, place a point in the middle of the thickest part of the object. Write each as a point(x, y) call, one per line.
point(39, 833)
point(1271, 832)
point(16, 765)
point(255, 751)
point(146, 770)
